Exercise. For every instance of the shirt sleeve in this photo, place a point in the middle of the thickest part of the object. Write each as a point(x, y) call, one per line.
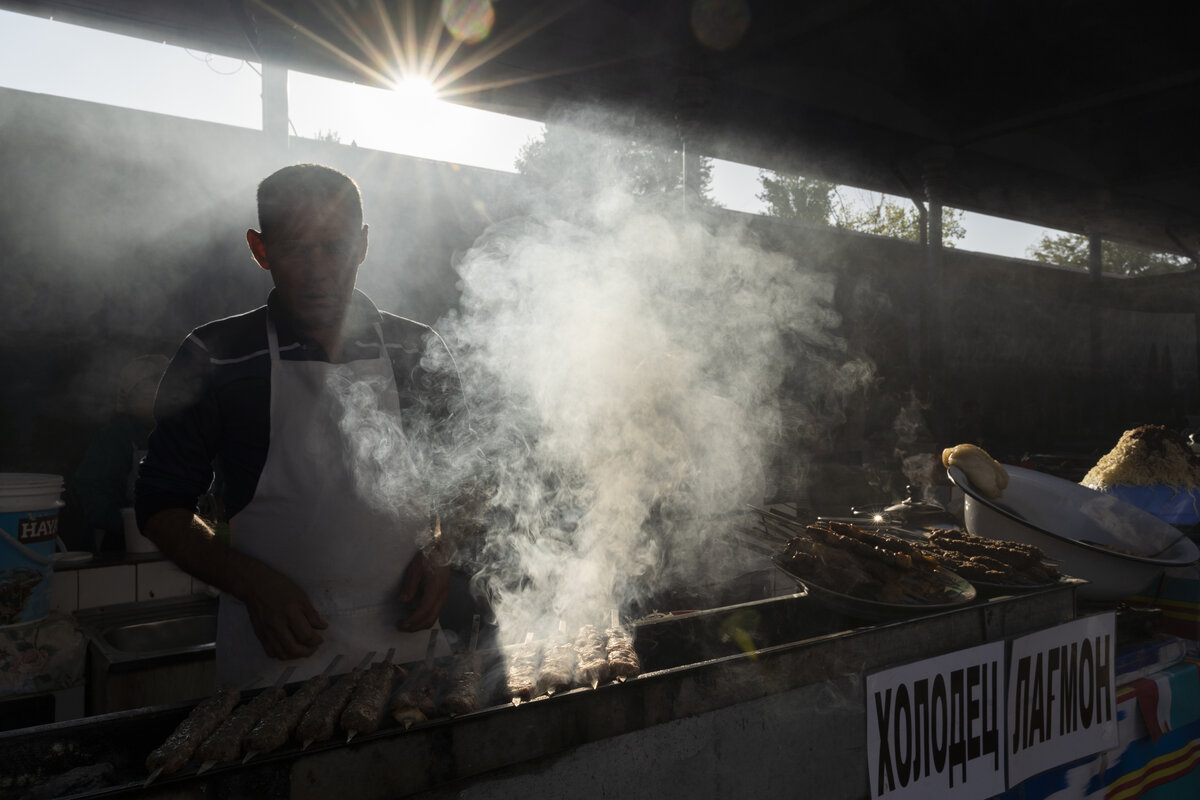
point(177, 469)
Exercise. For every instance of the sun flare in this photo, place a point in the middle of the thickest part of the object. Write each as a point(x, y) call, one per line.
point(394, 42)
point(416, 89)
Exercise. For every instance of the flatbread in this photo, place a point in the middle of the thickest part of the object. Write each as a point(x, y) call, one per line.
point(984, 472)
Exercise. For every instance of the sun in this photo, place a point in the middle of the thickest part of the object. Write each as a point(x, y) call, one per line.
point(413, 89)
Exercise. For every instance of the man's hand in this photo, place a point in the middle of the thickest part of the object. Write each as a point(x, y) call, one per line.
point(284, 620)
point(430, 585)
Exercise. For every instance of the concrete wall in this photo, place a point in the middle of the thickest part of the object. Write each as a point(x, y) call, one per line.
point(121, 230)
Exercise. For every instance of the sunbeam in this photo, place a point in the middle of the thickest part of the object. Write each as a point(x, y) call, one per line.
point(399, 47)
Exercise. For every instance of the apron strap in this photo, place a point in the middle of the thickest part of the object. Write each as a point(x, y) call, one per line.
point(273, 339)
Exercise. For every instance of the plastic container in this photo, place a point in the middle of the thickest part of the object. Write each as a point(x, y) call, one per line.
point(135, 542)
point(1177, 506)
point(29, 509)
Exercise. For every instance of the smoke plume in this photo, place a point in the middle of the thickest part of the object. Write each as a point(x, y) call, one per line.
point(623, 371)
point(624, 365)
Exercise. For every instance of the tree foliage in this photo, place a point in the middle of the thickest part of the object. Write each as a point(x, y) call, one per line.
point(796, 197)
point(589, 154)
point(899, 221)
point(1071, 250)
point(818, 202)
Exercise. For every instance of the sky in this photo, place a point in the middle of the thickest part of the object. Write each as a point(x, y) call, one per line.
point(49, 57)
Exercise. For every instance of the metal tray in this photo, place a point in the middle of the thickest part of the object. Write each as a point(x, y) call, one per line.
point(958, 593)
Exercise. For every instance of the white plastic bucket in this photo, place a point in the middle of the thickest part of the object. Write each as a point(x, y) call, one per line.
point(29, 508)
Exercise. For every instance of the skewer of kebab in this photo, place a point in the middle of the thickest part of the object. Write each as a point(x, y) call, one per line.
point(279, 723)
point(178, 748)
point(462, 687)
point(226, 742)
point(591, 665)
point(318, 722)
point(854, 539)
point(364, 712)
point(623, 661)
point(989, 559)
point(591, 657)
point(414, 701)
point(908, 574)
point(521, 680)
point(558, 666)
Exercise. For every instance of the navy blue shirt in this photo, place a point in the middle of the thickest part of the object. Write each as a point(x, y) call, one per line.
point(214, 403)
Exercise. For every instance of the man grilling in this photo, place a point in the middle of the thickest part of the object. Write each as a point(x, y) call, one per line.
point(312, 568)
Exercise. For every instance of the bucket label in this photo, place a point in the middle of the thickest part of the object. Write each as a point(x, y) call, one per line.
point(37, 529)
point(26, 572)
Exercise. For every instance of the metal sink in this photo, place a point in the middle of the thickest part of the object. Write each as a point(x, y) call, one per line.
point(155, 630)
point(164, 634)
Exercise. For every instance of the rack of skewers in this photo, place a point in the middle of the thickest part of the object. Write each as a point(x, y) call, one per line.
point(892, 568)
point(232, 727)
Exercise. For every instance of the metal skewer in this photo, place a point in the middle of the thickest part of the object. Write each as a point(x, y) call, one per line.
point(350, 734)
point(361, 665)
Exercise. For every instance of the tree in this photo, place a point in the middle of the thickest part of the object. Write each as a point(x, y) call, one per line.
point(1071, 250)
point(795, 197)
point(590, 152)
point(898, 220)
point(816, 201)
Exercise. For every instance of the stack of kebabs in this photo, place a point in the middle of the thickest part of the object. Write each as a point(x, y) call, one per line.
point(875, 565)
point(994, 561)
point(592, 657)
point(861, 563)
point(223, 729)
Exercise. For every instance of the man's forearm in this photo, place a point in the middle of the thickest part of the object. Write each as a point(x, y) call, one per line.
point(192, 544)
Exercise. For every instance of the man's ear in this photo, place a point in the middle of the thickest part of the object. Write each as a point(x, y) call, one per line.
point(362, 256)
point(258, 248)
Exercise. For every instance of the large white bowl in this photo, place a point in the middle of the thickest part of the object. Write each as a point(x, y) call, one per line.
point(1059, 516)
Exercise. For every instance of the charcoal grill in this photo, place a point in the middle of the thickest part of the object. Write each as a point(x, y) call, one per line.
point(775, 682)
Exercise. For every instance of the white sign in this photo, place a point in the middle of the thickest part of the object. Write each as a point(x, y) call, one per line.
point(934, 728)
point(1062, 702)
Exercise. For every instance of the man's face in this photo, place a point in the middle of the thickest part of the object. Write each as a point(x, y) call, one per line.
point(313, 258)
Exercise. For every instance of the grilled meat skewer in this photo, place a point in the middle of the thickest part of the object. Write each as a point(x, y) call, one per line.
point(277, 725)
point(623, 661)
point(225, 743)
point(415, 699)
point(364, 711)
point(521, 683)
point(557, 669)
point(318, 722)
point(205, 718)
point(591, 664)
point(1015, 554)
point(462, 687)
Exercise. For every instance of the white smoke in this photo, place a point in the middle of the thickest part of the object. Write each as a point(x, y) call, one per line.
point(624, 371)
point(630, 371)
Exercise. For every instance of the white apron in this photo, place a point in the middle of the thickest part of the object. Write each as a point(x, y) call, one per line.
point(307, 521)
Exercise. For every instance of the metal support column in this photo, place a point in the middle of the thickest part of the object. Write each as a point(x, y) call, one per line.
point(930, 374)
point(1102, 409)
point(275, 104)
